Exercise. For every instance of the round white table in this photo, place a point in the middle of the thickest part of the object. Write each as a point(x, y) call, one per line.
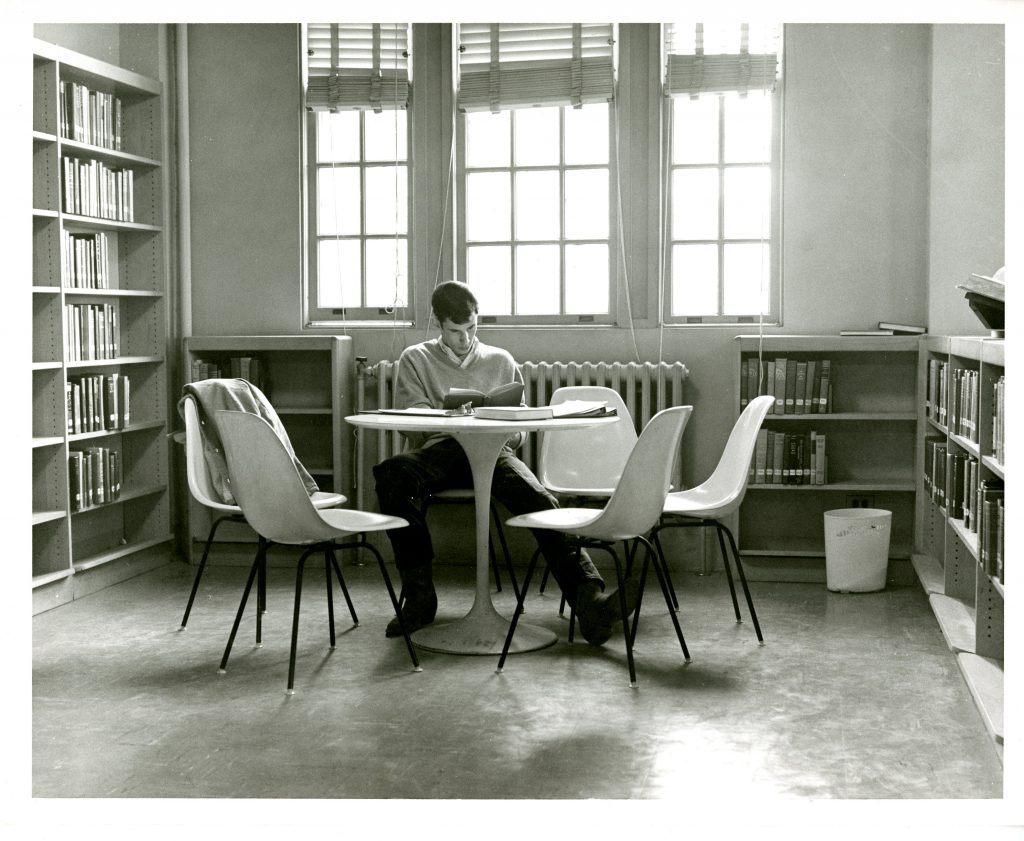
point(483, 629)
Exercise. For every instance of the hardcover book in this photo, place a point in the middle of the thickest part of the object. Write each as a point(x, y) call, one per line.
point(509, 394)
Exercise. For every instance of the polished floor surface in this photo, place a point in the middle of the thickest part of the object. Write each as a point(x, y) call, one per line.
point(852, 696)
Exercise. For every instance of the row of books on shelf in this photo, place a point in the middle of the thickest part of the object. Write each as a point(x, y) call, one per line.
point(789, 458)
point(94, 477)
point(94, 188)
point(92, 332)
point(86, 260)
point(800, 387)
point(98, 403)
point(90, 116)
point(249, 368)
point(955, 482)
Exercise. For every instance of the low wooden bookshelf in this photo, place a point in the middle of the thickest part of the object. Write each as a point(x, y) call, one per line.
point(310, 382)
point(868, 420)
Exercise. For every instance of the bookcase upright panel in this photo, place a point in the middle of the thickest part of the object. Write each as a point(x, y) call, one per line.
point(99, 325)
point(863, 419)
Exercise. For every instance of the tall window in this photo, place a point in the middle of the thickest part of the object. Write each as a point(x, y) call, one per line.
point(535, 164)
point(357, 93)
point(722, 144)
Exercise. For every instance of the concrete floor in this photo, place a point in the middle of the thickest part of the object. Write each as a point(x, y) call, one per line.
point(853, 696)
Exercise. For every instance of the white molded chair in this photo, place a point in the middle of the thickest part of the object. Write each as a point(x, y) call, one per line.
point(607, 447)
point(274, 501)
point(578, 480)
point(201, 486)
point(630, 513)
point(720, 495)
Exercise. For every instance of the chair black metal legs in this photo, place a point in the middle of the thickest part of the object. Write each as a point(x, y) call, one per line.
point(629, 630)
point(238, 518)
point(330, 563)
point(724, 535)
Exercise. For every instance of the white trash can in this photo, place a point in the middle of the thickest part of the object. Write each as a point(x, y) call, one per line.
point(856, 549)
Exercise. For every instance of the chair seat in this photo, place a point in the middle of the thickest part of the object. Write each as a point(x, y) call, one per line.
point(595, 493)
point(323, 499)
point(579, 521)
point(698, 504)
point(351, 521)
point(454, 494)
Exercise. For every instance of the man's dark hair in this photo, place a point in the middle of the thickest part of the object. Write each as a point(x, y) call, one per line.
point(453, 301)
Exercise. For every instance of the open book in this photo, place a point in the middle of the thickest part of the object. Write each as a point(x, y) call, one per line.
point(568, 409)
point(509, 394)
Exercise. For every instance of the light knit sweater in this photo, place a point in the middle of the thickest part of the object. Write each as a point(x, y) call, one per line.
point(426, 372)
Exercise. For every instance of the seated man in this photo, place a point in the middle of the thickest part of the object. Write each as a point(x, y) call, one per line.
point(426, 372)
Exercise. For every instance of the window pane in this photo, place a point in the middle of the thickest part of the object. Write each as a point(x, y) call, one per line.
point(586, 204)
point(337, 136)
point(695, 280)
point(385, 135)
point(695, 204)
point(536, 137)
point(537, 280)
point(337, 201)
point(695, 130)
point(586, 134)
point(746, 279)
point(537, 205)
point(747, 203)
point(748, 128)
point(586, 279)
point(386, 277)
point(339, 268)
point(487, 139)
point(489, 275)
point(386, 200)
point(488, 209)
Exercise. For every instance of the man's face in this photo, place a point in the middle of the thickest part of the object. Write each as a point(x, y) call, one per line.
point(459, 337)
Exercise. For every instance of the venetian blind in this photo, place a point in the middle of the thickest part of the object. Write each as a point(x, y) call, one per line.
point(517, 65)
point(707, 58)
point(357, 66)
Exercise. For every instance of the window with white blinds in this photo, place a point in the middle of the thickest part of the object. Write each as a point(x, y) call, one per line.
point(515, 65)
point(715, 58)
point(362, 66)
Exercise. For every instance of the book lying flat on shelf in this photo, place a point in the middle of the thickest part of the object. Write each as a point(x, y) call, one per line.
point(867, 333)
point(568, 409)
point(509, 394)
point(905, 329)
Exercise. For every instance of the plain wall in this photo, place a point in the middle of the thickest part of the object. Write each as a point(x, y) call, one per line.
point(968, 183)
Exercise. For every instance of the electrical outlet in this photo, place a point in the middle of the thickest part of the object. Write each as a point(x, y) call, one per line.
point(859, 501)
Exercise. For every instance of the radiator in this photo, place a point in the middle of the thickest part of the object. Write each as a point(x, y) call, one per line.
point(646, 388)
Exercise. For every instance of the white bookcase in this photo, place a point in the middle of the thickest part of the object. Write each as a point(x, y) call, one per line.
point(967, 598)
point(869, 432)
point(125, 535)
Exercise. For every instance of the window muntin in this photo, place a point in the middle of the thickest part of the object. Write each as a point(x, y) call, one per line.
point(535, 200)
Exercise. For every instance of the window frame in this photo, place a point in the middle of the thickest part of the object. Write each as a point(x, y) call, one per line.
point(315, 315)
point(773, 315)
point(560, 319)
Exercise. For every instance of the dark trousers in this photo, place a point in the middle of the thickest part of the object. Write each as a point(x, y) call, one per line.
point(404, 479)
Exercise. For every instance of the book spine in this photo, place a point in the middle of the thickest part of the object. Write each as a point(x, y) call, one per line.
point(75, 479)
point(800, 391)
point(780, 386)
